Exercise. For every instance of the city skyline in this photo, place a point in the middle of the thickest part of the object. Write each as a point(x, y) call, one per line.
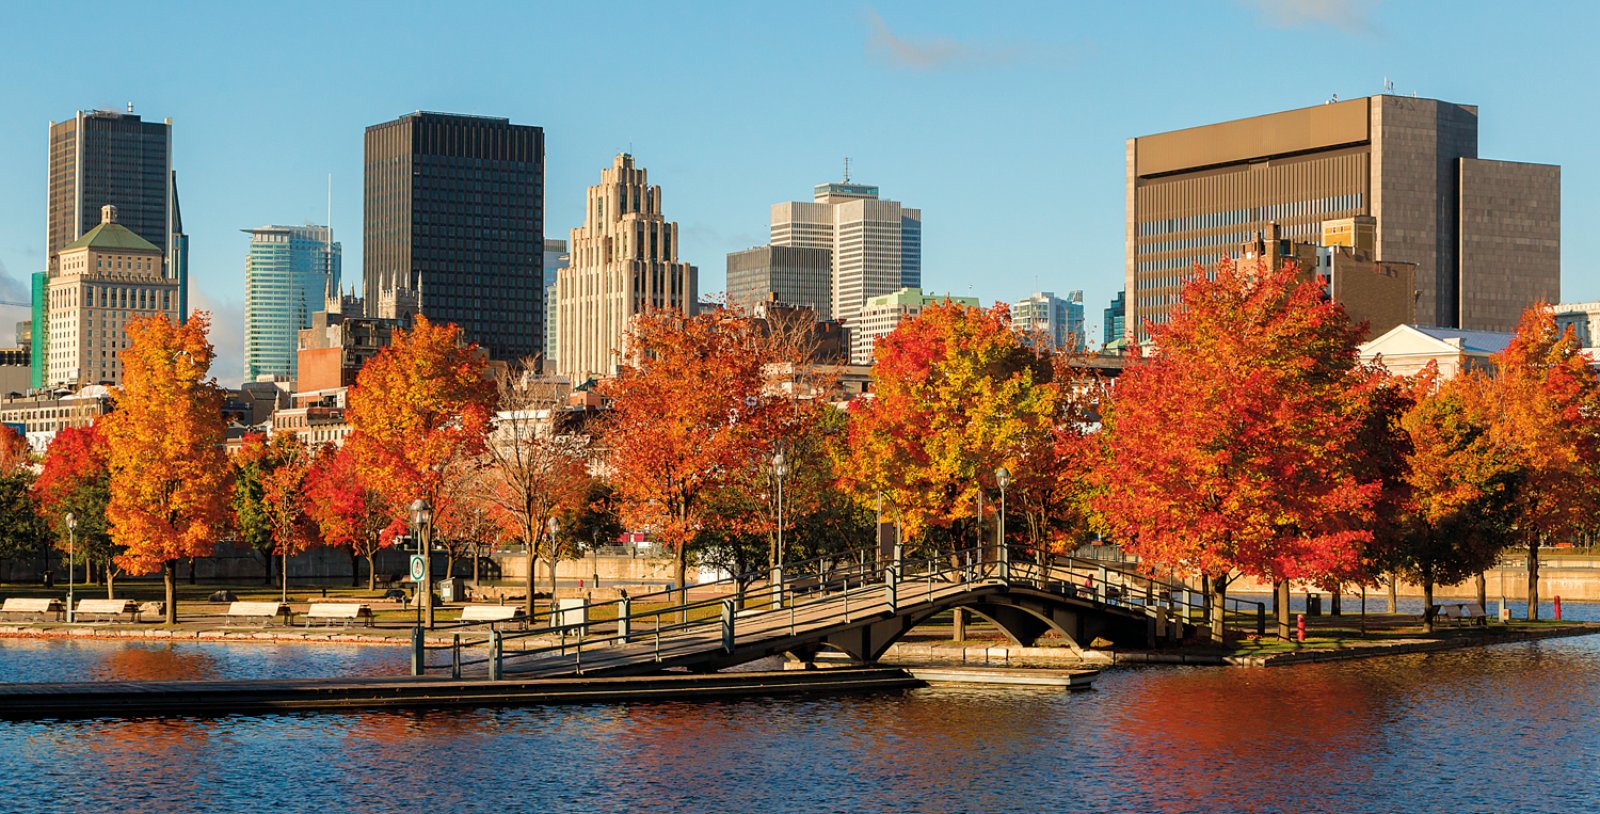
point(988, 126)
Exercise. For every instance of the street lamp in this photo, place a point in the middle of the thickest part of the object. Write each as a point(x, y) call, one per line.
point(1002, 476)
point(780, 470)
point(555, 528)
point(421, 518)
point(72, 557)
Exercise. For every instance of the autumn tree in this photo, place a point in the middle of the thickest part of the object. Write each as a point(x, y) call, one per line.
point(268, 508)
point(1230, 449)
point(169, 476)
point(957, 394)
point(76, 479)
point(1461, 487)
point(1544, 406)
point(696, 400)
point(346, 510)
point(417, 408)
point(534, 468)
point(14, 451)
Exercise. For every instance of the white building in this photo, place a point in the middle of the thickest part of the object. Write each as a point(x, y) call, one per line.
point(1407, 349)
point(1060, 321)
point(876, 244)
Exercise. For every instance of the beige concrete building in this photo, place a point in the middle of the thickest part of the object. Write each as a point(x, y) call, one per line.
point(1378, 293)
point(1485, 236)
point(102, 280)
point(876, 244)
point(1406, 349)
point(624, 261)
point(878, 317)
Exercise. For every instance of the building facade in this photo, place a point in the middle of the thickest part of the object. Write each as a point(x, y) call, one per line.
point(876, 244)
point(1484, 235)
point(103, 279)
point(880, 315)
point(796, 275)
point(1059, 321)
point(555, 259)
point(289, 274)
point(454, 215)
point(624, 261)
point(1114, 329)
point(1584, 320)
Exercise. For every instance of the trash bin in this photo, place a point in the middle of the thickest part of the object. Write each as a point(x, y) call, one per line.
point(49, 579)
point(1313, 604)
point(449, 590)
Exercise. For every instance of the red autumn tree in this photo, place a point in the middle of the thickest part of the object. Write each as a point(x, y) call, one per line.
point(1231, 449)
point(346, 510)
point(76, 480)
point(690, 405)
point(419, 407)
point(956, 395)
point(1544, 406)
point(169, 476)
point(268, 510)
point(14, 451)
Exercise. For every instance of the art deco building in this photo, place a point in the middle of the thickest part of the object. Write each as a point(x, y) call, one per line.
point(289, 274)
point(623, 261)
point(1485, 236)
point(103, 279)
point(876, 244)
point(455, 216)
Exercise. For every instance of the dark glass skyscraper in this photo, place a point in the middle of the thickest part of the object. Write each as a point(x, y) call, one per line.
point(455, 213)
point(106, 157)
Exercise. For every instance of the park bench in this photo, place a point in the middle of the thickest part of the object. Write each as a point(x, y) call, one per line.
point(265, 611)
point(1460, 612)
point(31, 605)
point(338, 611)
point(490, 614)
point(108, 609)
point(1473, 611)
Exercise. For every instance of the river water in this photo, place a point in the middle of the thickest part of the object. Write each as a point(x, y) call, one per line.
point(1506, 728)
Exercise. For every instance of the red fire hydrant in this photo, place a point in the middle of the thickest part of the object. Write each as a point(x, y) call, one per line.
point(1300, 627)
point(1558, 607)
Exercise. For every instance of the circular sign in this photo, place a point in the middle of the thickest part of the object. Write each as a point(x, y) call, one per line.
point(419, 567)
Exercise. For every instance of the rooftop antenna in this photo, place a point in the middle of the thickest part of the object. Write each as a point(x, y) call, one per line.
point(847, 169)
point(130, 107)
point(1388, 86)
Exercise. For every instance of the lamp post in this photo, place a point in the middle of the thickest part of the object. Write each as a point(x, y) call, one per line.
point(780, 470)
point(554, 528)
point(1002, 476)
point(421, 518)
point(72, 557)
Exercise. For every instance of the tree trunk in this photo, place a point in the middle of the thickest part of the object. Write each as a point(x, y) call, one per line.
point(191, 571)
point(111, 586)
point(533, 560)
point(1280, 603)
point(1394, 591)
point(1533, 580)
point(355, 569)
point(1483, 598)
point(1335, 606)
point(680, 575)
point(1219, 600)
point(170, 578)
point(372, 572)
point(1427, 603)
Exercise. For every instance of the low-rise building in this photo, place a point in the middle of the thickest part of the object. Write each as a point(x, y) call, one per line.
point(1406, 349)
point(880, 315)
point(42, 415)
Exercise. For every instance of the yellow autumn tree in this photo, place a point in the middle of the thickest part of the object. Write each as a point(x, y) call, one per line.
point(169, 476)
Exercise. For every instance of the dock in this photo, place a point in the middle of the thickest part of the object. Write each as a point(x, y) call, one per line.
point(124, 699)
point(1027, 677)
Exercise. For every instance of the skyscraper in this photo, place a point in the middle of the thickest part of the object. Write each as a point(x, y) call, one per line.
point(624, 261)
point(100, 158)
point(555, 259)
point(1115, 316)
point(795, 275)
point(455, 216)
point(1059, 320)
point(1485, 235)
point(876, 244)
point(289, 274)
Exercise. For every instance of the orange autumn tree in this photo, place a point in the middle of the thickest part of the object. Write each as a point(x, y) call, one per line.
point(76, 479)
point(1544, 406)
point(690, 407)
point(957, 394)
point(346, 510)
point(169, 475)
point(420, 406)
point(1232, 449)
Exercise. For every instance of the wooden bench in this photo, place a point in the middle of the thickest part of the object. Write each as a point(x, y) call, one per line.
point(490, 614)
point(1460, 612)
point(107, 609)
point(338, 611)
point(265, 611)
point(32, 605)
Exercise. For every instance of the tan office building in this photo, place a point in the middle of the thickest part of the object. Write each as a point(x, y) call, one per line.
point(875, 244)
point(624, 261)
point(103, 279)
point(1485, 236)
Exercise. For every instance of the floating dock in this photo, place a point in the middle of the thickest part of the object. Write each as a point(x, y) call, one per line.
point(1028, 677)
point(124, 699)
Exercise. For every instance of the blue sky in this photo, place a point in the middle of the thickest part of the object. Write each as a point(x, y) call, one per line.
point(1004, 122)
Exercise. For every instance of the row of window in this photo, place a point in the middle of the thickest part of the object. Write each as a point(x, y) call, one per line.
point(1258, 214)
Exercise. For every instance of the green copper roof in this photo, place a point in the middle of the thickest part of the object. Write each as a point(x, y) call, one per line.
point(113, 237)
